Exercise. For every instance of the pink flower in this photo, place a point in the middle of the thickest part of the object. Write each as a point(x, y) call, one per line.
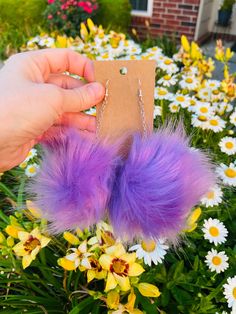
point(50, 16)
point(64, 17)
point(51, 1)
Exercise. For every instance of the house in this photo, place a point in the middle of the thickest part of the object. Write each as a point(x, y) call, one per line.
point(197, 19)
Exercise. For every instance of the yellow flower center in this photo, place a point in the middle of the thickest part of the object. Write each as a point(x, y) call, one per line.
point(210, 195)
point(180, 98)
point(202, 118)
point(31, 244)
point(192, 102)
point(231, 173)
point(205, 93)
point(174, 107)
point(148, 245)
point(167, 77)
point(214, 231)
point(162, 92)
point(229, 145)
point(216, 260)
point(234, 292)
point(214, 122)
point(168, 62)
point(32, 170)
point(204, 109)
point(215, 92)
point(189, 80)
point(119, 266)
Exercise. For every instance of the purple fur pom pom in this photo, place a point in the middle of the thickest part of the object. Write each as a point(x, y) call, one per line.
point(74, 182)
point(157, 186)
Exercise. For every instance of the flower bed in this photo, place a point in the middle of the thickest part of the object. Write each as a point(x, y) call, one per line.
point(92, 272)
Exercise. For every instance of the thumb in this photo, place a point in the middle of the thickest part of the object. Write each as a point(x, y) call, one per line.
point(82, 98)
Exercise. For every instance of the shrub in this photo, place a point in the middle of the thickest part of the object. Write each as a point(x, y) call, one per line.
point(114, 14)
point(19, 19)
point(66, 15)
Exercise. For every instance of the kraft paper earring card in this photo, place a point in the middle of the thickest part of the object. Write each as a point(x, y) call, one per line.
point(122, 112)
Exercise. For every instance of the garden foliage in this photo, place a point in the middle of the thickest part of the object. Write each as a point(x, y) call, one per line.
point(90, 271)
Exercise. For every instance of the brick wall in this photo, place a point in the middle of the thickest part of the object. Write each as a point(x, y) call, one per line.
point(170, 17)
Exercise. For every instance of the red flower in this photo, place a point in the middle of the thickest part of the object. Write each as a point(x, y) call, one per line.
point(51, 1)
point(50, 16)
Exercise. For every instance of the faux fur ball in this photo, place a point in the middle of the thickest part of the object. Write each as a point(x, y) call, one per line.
point(75, 179)
point(157, 185)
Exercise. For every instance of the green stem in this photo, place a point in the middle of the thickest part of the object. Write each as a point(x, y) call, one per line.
point(7, 191)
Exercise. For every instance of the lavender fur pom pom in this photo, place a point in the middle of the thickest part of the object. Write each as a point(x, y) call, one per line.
point(74, 183)
point(158, 184)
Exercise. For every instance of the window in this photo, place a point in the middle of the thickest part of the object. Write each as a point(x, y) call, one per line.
point(142, 7)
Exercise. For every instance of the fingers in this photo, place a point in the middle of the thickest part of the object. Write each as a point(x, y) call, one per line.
point(64, 81)
point(82, 98)
point(80, 121)
point(56, 60)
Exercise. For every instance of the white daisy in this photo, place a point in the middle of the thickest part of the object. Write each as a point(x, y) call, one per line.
point(216, 124)
point(150, 251)
point(204, 94)
point(199, 121)
point(232, 118)
point(214, 231)
point(32, 153)
point(227, 173)
point(31, 170)
point(214, 84)
point(157, 111)
point(182, 100)
point(162, 93)
point(167, 80)
point(217, 261)
point(202, 107)
point(213, 197)
point(174, 107)
point(168, 65)
point(47, 42)
point(189, 82)
point(228, 145)
point(230, 293)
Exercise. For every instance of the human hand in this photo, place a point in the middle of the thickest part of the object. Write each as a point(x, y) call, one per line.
point(35, 95)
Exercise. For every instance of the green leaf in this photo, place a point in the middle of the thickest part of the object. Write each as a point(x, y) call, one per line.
point(7, 192)
point(82, 305)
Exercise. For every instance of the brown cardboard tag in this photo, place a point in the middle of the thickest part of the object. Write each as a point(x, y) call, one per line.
point(122, 112)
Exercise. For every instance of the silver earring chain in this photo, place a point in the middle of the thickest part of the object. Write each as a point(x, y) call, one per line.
point(141, 106)
point(103, 107)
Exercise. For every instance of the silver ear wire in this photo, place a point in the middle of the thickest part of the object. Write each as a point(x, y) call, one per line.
point(141, 106)
point(103, 106)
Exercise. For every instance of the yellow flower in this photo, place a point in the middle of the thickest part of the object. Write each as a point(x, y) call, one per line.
point(13, 231)
point(29, 246)
point(185, 43)
point(2, 237)
point(83, 31)
point(120, 266)
point(192, 220)
point(128, 307)
point(66, 264)
point(10, 241)
point(95, 270)
point(113, 299)
point(91, 26)
point(148, 290)
point(35, 211)
point(61, 41)
point(78, 257)
point(71, 238)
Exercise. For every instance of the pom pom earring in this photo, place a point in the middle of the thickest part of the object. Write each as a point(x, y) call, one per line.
point(75, 179)
point(158, 184)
